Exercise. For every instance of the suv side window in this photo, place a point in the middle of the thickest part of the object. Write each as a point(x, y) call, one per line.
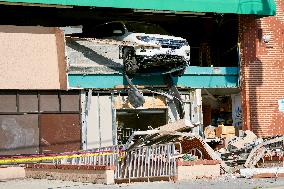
point(116, 29)
point(109, 30)
point(101, 31)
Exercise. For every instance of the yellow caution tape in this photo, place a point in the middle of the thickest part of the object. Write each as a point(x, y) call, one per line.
point(46, 158)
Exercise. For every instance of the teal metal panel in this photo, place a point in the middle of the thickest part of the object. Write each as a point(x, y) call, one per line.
point(197, 70)
point(194, 77)
point(259, 7)
point(207, 81)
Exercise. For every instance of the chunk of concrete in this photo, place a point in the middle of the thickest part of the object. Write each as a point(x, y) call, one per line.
point(250, 172)
point(97, 176)
point(7, 173)
point(240, 143)
point(201, 169)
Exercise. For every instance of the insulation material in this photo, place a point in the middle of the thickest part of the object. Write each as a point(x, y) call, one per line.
point(33, 56)
point(99, 122)
point(121, 102)
point(60, 133)
point(19, 134)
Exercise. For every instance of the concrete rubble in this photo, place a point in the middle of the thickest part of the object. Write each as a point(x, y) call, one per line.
point(262, 172)
point(8, 173)
point(232, 158)
point(194, 157)
point(77, 173)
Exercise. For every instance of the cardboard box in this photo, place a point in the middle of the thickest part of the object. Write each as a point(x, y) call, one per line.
point(209, 132)
point(222, 131)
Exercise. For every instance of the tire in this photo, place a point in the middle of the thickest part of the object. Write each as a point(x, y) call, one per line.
point(178, 73)
point(129, 62)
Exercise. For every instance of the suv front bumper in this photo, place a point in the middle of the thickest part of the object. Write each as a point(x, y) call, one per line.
point(162, 63)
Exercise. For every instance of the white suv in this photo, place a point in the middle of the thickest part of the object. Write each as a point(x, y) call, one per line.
point(155, 50)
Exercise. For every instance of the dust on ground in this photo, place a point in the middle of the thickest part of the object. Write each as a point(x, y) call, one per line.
point(220, 183)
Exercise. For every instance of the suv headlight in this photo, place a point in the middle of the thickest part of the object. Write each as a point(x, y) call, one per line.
point(187, 53)
point(185, 43)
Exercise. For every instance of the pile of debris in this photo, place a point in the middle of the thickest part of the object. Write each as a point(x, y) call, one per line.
point(247, 151)
point(192, 144)
point(171, 151)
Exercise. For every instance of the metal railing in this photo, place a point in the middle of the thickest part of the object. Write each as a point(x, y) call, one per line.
point(107, 156)
point(149, 161)
point(140, 162)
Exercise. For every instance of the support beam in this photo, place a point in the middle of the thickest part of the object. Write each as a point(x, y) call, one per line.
point(194, 77)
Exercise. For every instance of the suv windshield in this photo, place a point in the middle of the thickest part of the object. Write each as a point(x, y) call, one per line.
point(141, 27)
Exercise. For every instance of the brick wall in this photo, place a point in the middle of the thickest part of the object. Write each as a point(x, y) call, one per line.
point(262, 72)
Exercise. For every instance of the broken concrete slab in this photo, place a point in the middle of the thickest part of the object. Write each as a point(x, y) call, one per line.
point(241, 142)
point(198, 169)
point(161, 134)
point(78, 173)
point(7, 173)
point(250, 172)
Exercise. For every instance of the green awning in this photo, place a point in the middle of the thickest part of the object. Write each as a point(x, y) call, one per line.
point(257, 7)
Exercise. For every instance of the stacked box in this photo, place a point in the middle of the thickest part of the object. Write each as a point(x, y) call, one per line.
point(225, 131)
point(209, 132)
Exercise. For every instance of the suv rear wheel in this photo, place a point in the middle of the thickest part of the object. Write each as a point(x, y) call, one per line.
point(178, 73)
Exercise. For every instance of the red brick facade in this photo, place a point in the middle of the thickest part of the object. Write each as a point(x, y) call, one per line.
point(262, 72)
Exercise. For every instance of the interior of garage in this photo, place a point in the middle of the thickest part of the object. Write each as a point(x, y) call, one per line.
point(130, 120)
point(153, 114)
point(221, 107)
point(213, 37)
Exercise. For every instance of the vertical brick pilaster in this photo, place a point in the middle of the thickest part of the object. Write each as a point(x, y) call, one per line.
point(262, 72)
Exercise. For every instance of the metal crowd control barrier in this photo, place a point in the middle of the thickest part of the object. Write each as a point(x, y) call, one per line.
point(141, 162)
point(149, 161)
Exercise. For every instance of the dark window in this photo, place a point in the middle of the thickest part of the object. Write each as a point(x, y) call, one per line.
point(109, 29)
point(141, 27)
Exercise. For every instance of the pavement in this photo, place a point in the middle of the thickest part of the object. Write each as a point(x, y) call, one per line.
point(220, 183)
